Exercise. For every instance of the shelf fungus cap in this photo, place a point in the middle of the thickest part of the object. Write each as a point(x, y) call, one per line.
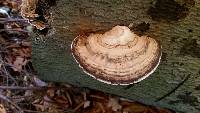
point(117, 57)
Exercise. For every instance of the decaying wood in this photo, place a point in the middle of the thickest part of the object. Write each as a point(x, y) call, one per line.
point(175, 23)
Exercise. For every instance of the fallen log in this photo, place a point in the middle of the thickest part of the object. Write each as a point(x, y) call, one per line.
point(175, 23)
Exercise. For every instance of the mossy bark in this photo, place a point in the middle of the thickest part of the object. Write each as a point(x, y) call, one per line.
point(176, 24)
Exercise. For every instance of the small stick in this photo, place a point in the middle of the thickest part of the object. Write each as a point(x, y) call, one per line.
point(101, 107)
point(79, 106)
point(69, 98)
point(25, 31)
point(12, 20)
point(21, 88)
point(29, 88)
point(5, 71)
point(20, 97)
point(173, 90)
point(31, 111)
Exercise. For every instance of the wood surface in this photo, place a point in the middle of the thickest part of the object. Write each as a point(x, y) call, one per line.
point(175, 23)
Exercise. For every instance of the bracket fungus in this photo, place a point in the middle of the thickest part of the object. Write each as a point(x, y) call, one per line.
point(117, 57)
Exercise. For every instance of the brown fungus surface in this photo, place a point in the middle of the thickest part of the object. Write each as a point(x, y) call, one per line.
point(117, 57)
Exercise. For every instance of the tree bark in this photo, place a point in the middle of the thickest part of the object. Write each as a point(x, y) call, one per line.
point(176, 82)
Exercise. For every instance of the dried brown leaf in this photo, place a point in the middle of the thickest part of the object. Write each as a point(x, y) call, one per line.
point(39, 24)
point(114, 104)
point(62, 101)
point(28, 8)
point(86, 104)
point(18, 63)
point(2, 109)
point(51, 92)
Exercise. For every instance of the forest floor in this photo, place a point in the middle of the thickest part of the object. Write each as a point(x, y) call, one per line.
point(21, 91)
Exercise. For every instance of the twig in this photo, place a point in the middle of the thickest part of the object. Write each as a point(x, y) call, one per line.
point(24, 71)
point(21, 97)
point(12, 20)
point(31, 111)
point(79, 106)
point(10, 102)
point(22, 88)
point(24, 31)
point(8, 75)
point(173, 90)
point(69, 98)
point(5, 71)
point(101, 107)
point(29, 88)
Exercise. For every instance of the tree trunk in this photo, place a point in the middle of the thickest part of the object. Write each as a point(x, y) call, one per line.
point(175, 23)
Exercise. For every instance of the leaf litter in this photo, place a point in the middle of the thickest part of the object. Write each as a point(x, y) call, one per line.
point(21, 91)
